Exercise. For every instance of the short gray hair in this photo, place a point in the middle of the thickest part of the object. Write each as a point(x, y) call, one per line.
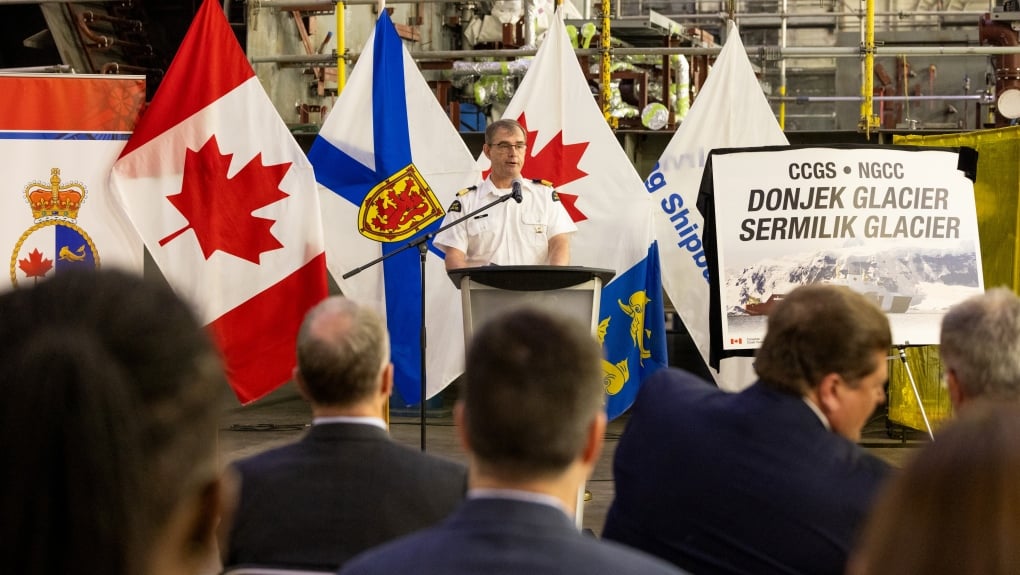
point(980, 343)
point(505, 124)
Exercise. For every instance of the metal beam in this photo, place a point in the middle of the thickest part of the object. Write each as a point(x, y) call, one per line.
point(3, 2)
point(772, 52)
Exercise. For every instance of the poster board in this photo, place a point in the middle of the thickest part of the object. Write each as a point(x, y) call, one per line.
point(897, 224)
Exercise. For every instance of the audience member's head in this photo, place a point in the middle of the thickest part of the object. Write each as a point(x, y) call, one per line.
point(107, 429)
point(955, 507)
point(980, 347)
point(344, 359)
point(828, 343)
point(532, 398)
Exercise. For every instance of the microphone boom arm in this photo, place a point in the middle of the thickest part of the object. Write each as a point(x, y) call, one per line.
point(426, 237)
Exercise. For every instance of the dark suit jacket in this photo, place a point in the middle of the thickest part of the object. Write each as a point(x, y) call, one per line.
point(503, 536)
point(343, 488)
point(750, 482)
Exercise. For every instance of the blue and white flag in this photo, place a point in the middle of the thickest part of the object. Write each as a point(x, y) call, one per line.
point(571, 145)
point(388, 160)
point(730, 112)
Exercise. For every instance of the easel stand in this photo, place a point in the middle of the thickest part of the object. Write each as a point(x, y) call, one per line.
point(913, 385)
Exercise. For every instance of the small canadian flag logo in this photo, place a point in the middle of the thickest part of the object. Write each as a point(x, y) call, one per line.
point(734, 340)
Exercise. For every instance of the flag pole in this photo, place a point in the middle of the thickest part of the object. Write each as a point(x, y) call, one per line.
point(423, 250)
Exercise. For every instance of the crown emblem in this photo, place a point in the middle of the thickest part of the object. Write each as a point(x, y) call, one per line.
point(54, 243)
point(55, 201)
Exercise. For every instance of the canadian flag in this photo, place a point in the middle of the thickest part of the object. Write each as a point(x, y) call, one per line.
point(227, 204)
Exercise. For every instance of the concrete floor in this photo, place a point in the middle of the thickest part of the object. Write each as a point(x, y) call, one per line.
point(282, 417)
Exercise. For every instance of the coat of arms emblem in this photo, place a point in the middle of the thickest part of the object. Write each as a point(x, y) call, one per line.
point(54, 242)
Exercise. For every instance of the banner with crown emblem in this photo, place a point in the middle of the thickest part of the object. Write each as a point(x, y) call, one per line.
point(59, 137)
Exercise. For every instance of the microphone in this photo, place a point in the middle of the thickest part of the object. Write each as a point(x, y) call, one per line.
point(515, 191)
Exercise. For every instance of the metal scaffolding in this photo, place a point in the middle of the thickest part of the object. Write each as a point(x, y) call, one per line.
point(867, 51)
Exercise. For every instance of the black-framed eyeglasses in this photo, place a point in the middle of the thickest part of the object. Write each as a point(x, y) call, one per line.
point(507, 147)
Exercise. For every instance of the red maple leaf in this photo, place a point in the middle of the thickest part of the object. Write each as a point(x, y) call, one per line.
point(570, 204)
point(219, 208)
point(556, 163)
point(35, 265)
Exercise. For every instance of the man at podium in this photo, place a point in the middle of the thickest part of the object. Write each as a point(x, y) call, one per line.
point(534, 229)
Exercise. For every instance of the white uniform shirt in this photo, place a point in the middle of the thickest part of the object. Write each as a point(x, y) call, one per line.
point(509, 233)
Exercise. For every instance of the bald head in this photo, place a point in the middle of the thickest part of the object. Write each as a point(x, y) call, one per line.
point(342, 349)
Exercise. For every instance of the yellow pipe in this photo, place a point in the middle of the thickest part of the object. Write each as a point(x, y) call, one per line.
point(782, 107)
point(604, 75)
point(341, 47)
point(782, 69)
point(868, 118)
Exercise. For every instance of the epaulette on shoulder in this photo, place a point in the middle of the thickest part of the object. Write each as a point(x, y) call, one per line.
point(544, 183)
point(466, 190)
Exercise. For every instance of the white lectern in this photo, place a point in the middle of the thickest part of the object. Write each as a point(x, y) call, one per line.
point(487, 291)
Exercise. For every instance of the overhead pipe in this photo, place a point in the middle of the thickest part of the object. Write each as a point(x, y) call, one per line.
point(118, 68)
point(51, 69)
point(752, 51)
point(102, 41)
point(828, 116)
point(99, 41)
point(4, 2)
point(982, 98)
point(812, 15)
point(329, 5)
point(92, 17)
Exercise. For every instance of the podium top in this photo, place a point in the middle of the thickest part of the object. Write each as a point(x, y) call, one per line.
point(530, 278)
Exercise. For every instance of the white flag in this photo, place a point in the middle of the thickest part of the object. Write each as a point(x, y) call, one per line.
point(730, 112)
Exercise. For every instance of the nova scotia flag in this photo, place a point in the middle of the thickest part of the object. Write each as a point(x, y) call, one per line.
point(389, 160)
point(571, 145)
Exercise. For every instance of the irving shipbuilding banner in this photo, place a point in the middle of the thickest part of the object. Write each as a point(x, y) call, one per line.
point(896, 224)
